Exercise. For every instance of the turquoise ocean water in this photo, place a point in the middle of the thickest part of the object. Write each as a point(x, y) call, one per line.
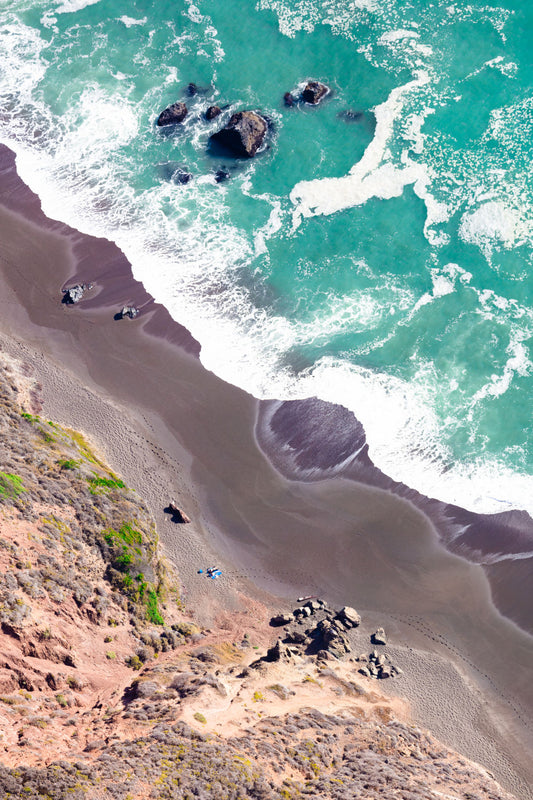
point(380, 259)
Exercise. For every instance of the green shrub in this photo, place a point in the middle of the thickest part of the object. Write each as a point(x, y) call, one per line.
point(97, 484)
point(128, 534)
point(123, 562)
point(10, 486)
point(152, 608)
point(68, 463)
point(29, 417)
point(200, 718)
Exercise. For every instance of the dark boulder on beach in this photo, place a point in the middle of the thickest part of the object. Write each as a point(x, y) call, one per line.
point(349, 617)
point(75, 293)
point(213, 112)
point(243, 135)
point(314, 92)
point(379, 637)
point(129, 311)
point(281, 619)
point(173, 115)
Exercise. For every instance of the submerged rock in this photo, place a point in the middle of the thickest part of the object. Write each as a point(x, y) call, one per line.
point(221, 175)
point(351, 116)
point(243, 135)
point(314, 92)
point(288, 99)
point(182, 176)
point(173, 115)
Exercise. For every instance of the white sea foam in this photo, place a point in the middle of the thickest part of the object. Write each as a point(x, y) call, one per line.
point(22, 66)
point(303, 15)
point(376, 174)
point(492, 223)
point(518, 363)
point(397, 35)
point(129, 22)
point(70, 6)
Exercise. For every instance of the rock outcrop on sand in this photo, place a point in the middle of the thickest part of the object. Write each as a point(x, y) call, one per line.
point(173, 115)
point(379, 637)
point(243, 135)
point(75, 293)
point(315, 629)
point(178, 515)
point(129, 311)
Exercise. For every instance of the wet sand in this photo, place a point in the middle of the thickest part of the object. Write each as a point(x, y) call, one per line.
point(172, 429)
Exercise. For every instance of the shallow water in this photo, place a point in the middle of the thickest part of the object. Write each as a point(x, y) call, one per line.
point(380, 259)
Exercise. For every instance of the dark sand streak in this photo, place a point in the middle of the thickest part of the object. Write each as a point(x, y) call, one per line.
point(169, 426)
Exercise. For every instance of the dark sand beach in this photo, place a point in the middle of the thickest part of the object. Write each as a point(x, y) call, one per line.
point(281, 522)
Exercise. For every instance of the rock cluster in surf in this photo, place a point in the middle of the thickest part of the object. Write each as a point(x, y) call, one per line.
point(244, 133)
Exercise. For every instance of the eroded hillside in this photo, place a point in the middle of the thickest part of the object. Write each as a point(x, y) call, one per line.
point(109, 689)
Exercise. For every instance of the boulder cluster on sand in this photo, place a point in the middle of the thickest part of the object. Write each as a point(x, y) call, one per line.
point(377, 665)
point(326, 637)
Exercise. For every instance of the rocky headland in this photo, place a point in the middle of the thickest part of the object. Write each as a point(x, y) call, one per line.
point(109, 688)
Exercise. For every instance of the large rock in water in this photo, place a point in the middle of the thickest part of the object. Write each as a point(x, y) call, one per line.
point(243, 135)
point(173, 114)
point(314, 92)
point(213, 112)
